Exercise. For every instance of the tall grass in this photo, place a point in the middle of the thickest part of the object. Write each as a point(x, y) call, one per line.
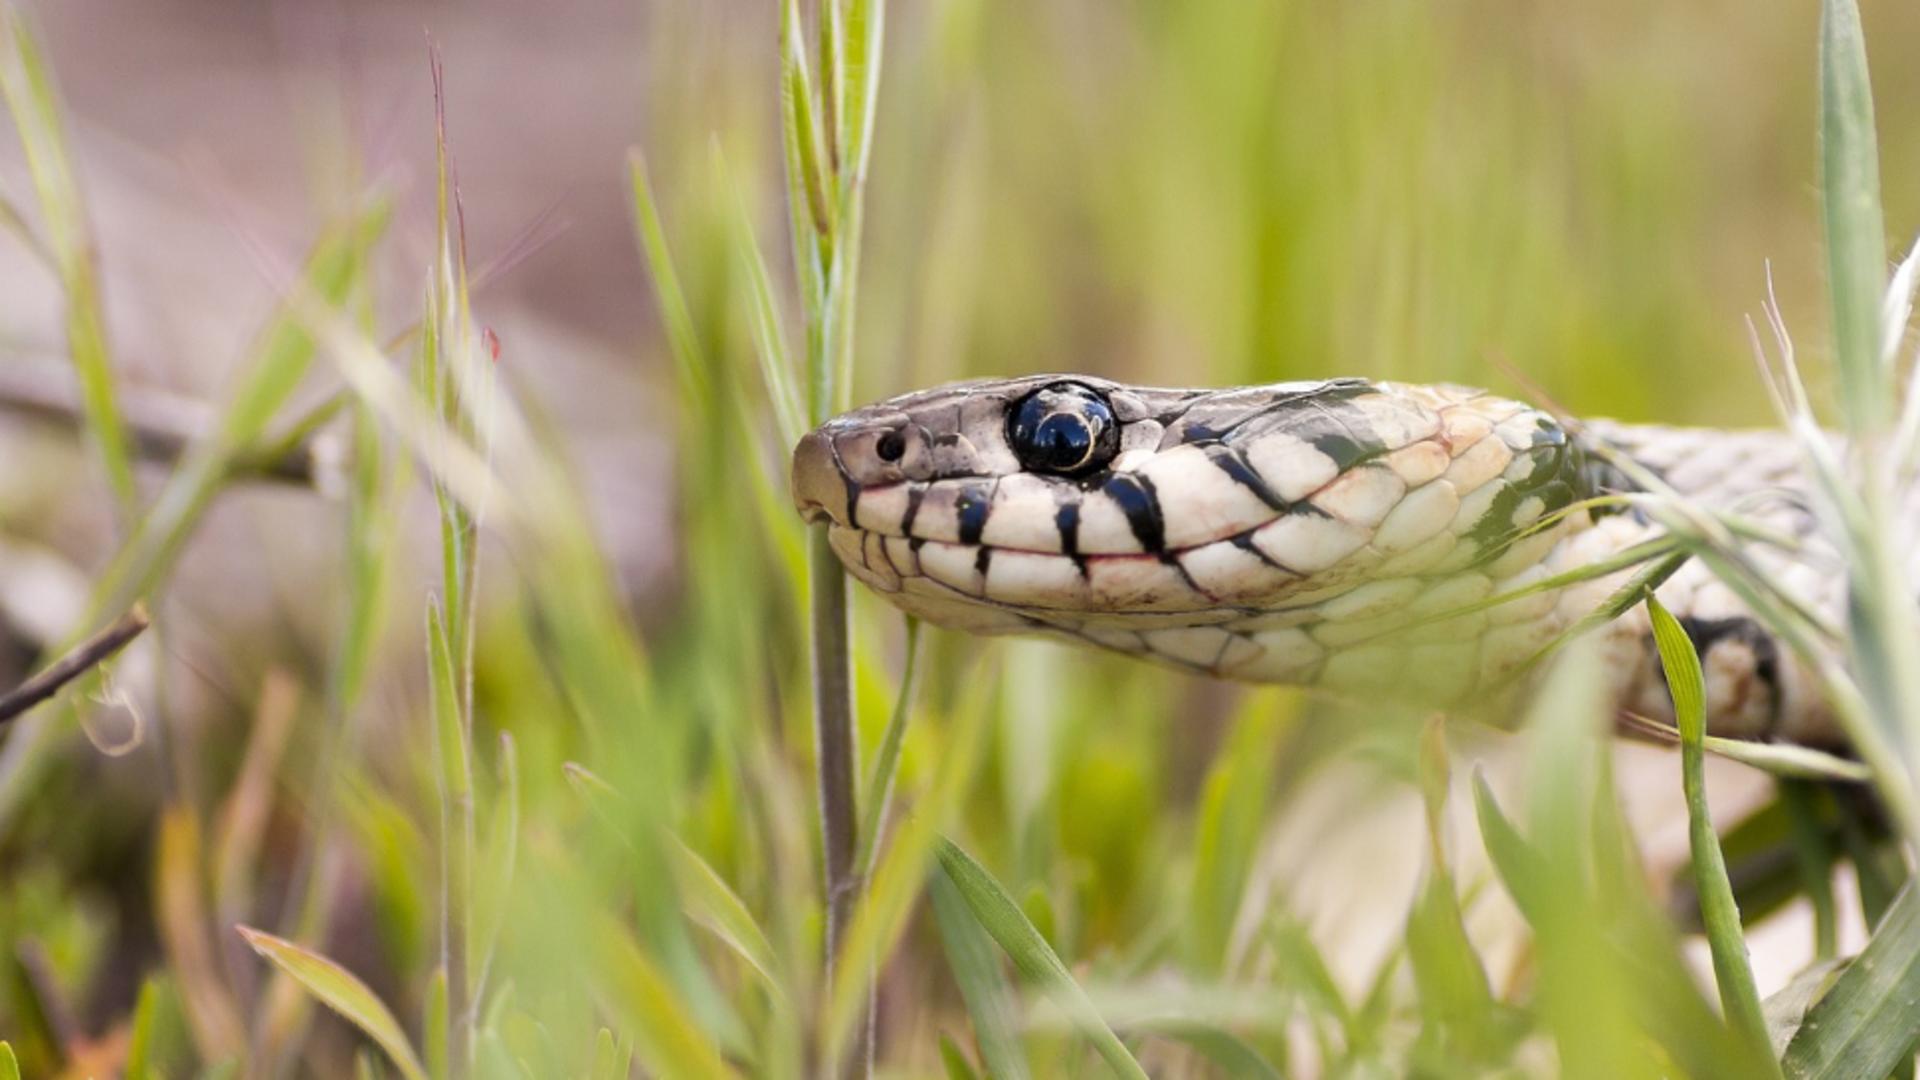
point(779, 833)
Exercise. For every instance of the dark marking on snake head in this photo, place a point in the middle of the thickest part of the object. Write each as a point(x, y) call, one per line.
point(970, 509)
point(1555, 497)
point(1495, 529)
point(916, 494)
point(1336, 429)
point(1133, 494)
point(1228, 460)
point(1066, 521)
point(1244, 541)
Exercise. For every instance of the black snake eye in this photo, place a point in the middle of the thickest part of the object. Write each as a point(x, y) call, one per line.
point(1065, 428)
point(891, 446)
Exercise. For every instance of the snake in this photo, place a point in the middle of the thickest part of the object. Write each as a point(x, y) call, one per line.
point(1377, 540)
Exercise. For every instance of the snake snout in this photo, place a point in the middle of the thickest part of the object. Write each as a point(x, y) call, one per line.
point(820, 488)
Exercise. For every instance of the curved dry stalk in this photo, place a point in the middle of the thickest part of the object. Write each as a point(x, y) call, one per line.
point(84, 657)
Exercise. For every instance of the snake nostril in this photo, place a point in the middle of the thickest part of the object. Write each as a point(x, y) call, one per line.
point(891, 446)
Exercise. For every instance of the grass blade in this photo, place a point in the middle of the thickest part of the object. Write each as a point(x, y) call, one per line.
point(714, 904)
point(1739, 997)
point(1865, 1024)
point(285, 353)
point(453, 768)
point(1002, 919)
point(976, 969)
point(887, 757)
point(887, 899)
point(1456, 1000)
point(1233, 807)
point(669, 1041)
point(674, 314)
point(1856, 233)
point(338, 989)
point(28, 88)
point(770, 345)
point(1234, 1055)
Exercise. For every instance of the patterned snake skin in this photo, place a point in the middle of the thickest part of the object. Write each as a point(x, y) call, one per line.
point(1325, 534)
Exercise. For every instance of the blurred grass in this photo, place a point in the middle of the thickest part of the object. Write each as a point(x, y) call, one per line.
point(1211, 192)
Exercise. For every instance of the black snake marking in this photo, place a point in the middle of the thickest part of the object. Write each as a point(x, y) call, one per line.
point(1335, 533)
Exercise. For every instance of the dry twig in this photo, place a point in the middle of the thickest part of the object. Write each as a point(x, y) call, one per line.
point(84, 656)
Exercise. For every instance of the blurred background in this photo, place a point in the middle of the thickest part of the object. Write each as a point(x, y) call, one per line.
point(1205, 192)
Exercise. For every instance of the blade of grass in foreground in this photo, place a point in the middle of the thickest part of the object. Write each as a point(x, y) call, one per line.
point(1865, 1024)
point(1001, 917)
point(1883, 630)
point(28, 88)
point(988, 995)
point(453, 767)
point(887, 899)
point(1233, 806)
point(341, 991)
point(669, 1041)
point(1856, 231)
point(1458, 1011)
point(1739, 998)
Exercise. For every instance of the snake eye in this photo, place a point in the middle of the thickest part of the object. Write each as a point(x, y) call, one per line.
point(891, 446)
point(1065, 428)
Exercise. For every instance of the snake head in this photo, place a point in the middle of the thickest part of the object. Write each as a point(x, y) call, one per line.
point(1055, 428)
point(1130, 516)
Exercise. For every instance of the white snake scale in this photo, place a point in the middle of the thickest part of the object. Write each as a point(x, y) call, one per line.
point(1306, 533)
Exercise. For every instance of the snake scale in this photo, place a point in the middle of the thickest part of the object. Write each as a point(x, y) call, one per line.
point(1345, 534)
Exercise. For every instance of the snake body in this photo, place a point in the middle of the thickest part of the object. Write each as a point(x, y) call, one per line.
point(1348, 534)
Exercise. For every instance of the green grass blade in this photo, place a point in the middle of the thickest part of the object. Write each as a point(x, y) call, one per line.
point(1233, 808)
point(711, 902)
point(669, 1041)
point(453, 769)
point(28, 87)
point(1002, 919)
point(1865, 1024)
point(1234, 1055)
point(1883, 631)
point(285, 353)
point(955, 1062)
point(769, 335)
point(1518, 864)
point(808, 170)
point(611, 1059)
point(9, 1065)
point(674, 314)
point(1856, 233)
point(1739, 997)
point(436, 1026)
point(983, 987)
point(886, 759)
point(1456, 1000)
point(338, 989)
point(863, 35)
point(501, 860)
point(887, 899)
point(141, 1037)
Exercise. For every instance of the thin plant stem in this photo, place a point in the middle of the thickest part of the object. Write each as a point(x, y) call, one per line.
point(84, 657)
point(886, 761)
point(833, 736)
